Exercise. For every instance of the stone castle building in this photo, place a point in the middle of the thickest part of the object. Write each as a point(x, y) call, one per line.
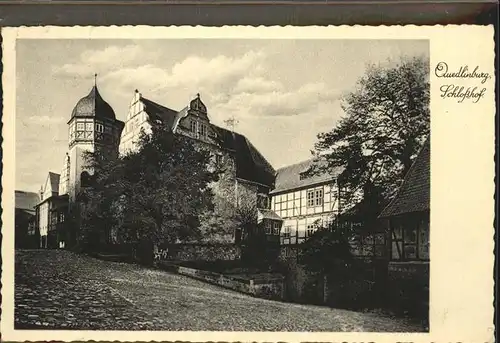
point(248, 177)
point(246, 182)
point(92, 127)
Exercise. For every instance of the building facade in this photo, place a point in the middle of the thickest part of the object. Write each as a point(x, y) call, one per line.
point(247, 178)
point(304, 200)
point(25, 219)
point(92, 127)
point(407, 223)
point(245, 183)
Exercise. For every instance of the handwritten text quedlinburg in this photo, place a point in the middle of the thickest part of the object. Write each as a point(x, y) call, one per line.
point(461, 92)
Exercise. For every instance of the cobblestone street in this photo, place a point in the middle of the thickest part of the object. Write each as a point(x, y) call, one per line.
point(62, 290)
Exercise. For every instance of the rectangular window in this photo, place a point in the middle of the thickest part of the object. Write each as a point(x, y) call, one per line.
point(268, 227)
point(61, 217)
point(287, 231)
point(276, 229)
point(318, 197)
point(310, 230)
point(80, 126)
point(99, 128)
point(218, 158)
point(89, 126)
point(315, 197)
point(310, 198)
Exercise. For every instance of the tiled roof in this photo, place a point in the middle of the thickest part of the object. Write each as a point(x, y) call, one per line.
point(250, 164)
point(26, 200)
point(157, 111)
point(288, 178)
point(414, 194)
point(269, 214)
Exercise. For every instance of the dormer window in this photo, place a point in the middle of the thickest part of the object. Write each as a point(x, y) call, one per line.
point(303, 176)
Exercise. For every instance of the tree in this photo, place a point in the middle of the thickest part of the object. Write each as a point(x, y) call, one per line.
point(385, 124)
point(165, 188)
point(156, 194)
point(328, 248)
point(96, 199)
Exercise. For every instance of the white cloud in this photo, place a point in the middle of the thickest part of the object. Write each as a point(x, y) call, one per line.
point(103, 60)
point(230, 85)
point(257, 85)
point(45, 119)
point(112, 54)
point(303, 100)
point(142, 77)
point(211, 75)
point(216, 71)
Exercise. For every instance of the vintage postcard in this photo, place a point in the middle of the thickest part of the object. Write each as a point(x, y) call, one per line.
point(248, 184)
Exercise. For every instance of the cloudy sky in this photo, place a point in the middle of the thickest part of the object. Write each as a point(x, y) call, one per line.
point(282, 92)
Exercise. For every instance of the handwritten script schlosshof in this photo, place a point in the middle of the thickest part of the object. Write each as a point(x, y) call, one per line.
point(457, 90)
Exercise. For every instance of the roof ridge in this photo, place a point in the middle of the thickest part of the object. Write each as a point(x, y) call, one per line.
point(156, 103)
point(295, 164)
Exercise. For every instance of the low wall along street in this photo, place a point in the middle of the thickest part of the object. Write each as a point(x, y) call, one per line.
point(198, 252)
point(265, 286)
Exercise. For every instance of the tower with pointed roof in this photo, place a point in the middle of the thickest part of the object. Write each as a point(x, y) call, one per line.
point(92, 127)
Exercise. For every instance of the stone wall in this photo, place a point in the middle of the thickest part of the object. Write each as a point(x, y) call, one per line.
point(218, 225)
point(199, 252)
point(269, 287)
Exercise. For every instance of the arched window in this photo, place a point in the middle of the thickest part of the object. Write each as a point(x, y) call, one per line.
point(84, 179)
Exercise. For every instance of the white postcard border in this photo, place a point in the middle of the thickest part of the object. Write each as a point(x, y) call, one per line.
point(462, 182)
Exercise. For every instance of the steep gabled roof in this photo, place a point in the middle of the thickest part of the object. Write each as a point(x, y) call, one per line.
point(250, 164)
point(157, 111)
point(414, 194)
point(288, 178)
point(26, 200)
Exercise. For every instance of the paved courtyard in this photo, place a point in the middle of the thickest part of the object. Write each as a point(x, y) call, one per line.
point(61, 290)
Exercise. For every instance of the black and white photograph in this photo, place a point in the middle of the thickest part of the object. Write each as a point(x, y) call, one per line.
point(166, 185)
point(223, 185)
